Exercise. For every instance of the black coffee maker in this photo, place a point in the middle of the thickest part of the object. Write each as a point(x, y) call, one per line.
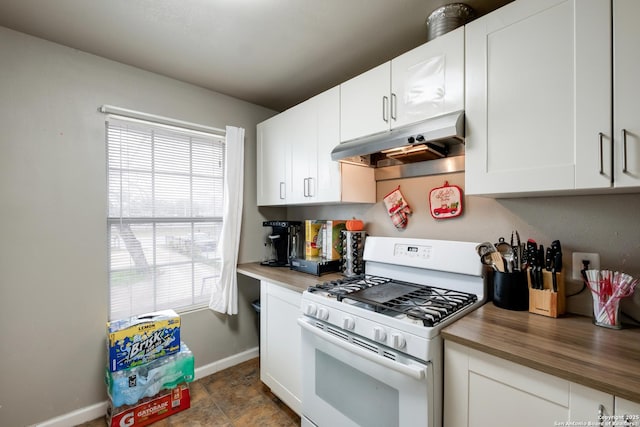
point(282, 243)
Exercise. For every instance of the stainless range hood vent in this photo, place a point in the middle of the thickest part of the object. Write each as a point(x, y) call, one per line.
point(436, 138)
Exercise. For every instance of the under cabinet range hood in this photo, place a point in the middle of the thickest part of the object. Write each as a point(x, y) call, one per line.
point(413, 150)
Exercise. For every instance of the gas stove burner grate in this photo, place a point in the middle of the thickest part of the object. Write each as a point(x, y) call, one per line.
point(429, 304)
point(346, 286)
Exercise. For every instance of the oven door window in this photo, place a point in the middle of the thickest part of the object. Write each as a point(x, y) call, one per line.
point(346, 389)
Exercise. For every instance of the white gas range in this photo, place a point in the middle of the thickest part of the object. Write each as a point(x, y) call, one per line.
point(371, 345)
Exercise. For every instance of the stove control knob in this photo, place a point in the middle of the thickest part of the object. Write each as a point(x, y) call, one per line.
point(348, 323)
point(323, 313)
point(397, 340)
point(379, 334)
point(310, 310)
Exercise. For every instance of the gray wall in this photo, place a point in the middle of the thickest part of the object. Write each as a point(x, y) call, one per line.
point(53, 250)
point(607, 224)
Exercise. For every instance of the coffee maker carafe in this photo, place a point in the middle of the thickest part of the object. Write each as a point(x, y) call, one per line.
point(282, 242)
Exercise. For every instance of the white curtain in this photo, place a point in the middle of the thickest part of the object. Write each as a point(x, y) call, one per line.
point(224, 297)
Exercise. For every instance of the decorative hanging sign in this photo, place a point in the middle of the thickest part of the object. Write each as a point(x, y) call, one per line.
point(446, 201)
point(397, 208)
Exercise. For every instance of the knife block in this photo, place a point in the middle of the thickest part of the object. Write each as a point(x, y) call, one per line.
point(544, 301)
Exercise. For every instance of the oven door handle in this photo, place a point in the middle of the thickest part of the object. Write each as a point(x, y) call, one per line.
point(416, 372)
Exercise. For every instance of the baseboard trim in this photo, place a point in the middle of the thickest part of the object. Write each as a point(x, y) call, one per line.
point(227, 362)
point(98, 410)
point(76, 417)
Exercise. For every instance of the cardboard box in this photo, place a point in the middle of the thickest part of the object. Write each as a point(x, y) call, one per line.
point(141, 339)
point(164, 404)
point(313, 238)
point(332, 239)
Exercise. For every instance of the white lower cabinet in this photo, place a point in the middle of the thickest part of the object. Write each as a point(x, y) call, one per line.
point(484, 390)
point(280, 345)
point(627, 413)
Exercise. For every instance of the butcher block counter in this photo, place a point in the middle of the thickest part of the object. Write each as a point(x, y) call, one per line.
point(569, 347)
point(284, 276)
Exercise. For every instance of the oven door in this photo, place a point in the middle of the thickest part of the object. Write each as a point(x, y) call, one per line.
point(346, 382)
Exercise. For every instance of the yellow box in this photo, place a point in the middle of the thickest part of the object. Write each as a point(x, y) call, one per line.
point(313, 238)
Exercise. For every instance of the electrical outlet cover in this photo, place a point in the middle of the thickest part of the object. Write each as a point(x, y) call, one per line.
point(578, 257)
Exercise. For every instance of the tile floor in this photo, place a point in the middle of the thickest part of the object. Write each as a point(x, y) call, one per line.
point(232, 398)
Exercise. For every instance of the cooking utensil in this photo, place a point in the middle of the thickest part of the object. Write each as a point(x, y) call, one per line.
point(489, 255)
point(517, 251)
point(506, 251)
point(484, 248)
point(498, 261)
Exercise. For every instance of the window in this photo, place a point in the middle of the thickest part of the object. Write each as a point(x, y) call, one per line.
point(165, 189)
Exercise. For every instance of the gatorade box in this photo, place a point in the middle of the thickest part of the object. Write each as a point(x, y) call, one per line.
point(141, 339)
point(150, 410)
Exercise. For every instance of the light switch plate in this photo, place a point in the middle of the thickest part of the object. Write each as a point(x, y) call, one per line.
point(578, 257)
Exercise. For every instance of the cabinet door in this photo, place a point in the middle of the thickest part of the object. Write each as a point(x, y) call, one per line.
point(428, 81)
point(315, 177)
point(589, 406)
point(537, 97)
point(271, 162)
point(326, 184)
point(302, 130)
point(626, 69)
point(280, 343)
point(364, 103)
point(627, 411)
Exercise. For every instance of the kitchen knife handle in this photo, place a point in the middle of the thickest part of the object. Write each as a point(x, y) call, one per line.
point(624, 150)
point(557, 262)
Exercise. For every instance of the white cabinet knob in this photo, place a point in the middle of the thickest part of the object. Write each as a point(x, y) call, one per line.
point(397, 340)
point(310, 310)
point(323, 313)
point(379, 334)
point(348, 323)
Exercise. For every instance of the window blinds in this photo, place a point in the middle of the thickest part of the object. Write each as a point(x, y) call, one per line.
point(165, 189)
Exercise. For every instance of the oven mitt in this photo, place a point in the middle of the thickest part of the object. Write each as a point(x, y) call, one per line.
point(446, 201)
point(397, 208)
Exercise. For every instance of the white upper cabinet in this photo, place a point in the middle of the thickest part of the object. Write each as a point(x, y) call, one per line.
point(364, 103)
point(425, 82)
point(626, 69)
point(428, 81)
point(294, 163)
point(538, 98)
point(273, 161)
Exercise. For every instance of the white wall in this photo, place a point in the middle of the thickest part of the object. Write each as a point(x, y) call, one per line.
point(53, 248)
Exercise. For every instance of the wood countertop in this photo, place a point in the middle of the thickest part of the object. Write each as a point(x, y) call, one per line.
point(569, 347)
point(284, 276)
